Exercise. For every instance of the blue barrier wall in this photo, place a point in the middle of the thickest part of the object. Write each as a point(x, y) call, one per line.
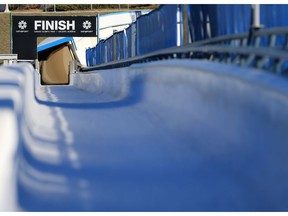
point(157, 30)
point(109, 48)
point(98, 53)
point(120, 49)
point(129, 41)
point(151, 32)
point(89, 57)
point(233, 19)
point(103, 53)
point(274, 15)
point(207, 21)
point(197, 15)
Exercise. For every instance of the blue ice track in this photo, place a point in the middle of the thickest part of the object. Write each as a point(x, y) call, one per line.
point(171, 135)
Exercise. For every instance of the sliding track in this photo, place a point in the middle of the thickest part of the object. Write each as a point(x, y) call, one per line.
point(171, 135)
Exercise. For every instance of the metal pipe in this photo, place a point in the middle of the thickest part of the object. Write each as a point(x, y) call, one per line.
point(7, 9)
point(185, 25)
point(98, 27)
point(114, 46)
point(11, 36)
point(255, 22)
point(256, 15)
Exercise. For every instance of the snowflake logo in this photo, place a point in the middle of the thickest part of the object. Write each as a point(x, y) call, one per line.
point(22, 24)
point(87, 25)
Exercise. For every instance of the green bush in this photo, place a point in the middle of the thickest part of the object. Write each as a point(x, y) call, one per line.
point(24, 6)
point(71, 7)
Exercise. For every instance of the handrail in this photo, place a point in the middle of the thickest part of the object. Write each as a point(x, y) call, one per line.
point(210, 49)
point(8, 58)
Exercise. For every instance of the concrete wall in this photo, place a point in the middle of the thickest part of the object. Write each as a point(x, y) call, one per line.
point(5, 33)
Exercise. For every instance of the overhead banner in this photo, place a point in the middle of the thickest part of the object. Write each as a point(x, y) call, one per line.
point(54, 26)
point(26, 29)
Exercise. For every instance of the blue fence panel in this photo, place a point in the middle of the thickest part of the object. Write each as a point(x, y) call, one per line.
point(122, 44)
point(90, 57)
point(129, 41)
point(109, 49)
point(233, 19)
point(157, 30)
point(95, 56)
point(199, 17)
point(98, 53)
point(119, 45)
point(116, 55)
point(87, 53)
point(133, 40)
point(207, 21)
point(103, 53)
point(274, 16)
point(125, 44)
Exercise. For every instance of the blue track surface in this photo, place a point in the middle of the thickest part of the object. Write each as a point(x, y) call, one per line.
point(175, 135)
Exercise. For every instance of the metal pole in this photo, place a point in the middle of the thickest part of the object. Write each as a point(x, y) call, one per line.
point(255, 22)
point(114, 45)
point(6, 9)
point(11, 38)
point(54, 7)
point(98, 28)
point(256, 15)
point(179, 26)
point(185, 25)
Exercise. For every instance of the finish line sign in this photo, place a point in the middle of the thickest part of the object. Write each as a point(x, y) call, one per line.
point(54, 26)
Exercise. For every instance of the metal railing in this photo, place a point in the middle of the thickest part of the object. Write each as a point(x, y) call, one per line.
point(268, 50)
point(8, 58)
